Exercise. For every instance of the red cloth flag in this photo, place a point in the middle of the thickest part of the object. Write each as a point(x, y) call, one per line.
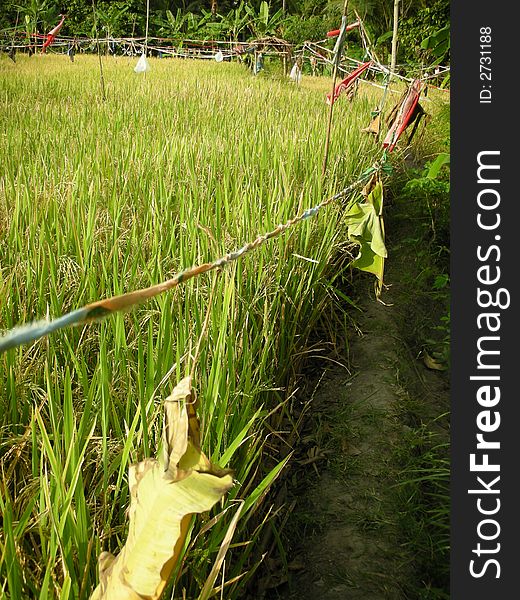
point(347, 82)
point(52, 35)
point(404, 115)
point(350, 27)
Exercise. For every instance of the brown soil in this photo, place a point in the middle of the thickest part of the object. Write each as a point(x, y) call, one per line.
point(344, 540)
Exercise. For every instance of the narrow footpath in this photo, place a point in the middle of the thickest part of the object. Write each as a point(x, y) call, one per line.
point(347, 535)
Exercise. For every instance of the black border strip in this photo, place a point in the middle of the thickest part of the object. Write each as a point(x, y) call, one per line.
point(485, 524)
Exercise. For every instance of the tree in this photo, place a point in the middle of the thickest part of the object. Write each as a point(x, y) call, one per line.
point(39, 13)
point(264, 22)
point(429, 22)
point(237, 20)
point(8, 14)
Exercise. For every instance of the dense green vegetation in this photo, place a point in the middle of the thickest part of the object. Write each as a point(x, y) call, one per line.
point(296, 20)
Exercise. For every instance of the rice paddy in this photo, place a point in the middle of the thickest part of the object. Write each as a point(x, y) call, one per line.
point(177, 167)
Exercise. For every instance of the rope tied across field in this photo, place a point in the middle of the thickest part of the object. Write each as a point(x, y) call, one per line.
point(96, 311)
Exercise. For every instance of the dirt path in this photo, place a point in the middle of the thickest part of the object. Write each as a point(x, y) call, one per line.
point(358, 554)
point(345, 534)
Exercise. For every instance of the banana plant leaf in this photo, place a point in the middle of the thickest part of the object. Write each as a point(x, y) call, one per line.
point(366, 227)
point(164, 495)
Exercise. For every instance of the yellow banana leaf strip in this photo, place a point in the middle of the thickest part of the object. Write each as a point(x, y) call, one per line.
point(164, 494)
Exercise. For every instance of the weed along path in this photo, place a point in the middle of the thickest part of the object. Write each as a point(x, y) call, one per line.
point(357, 530)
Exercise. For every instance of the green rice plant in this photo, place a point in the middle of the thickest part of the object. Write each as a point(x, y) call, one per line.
point(98, 198)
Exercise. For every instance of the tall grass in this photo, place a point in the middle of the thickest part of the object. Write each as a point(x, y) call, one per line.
point(98, 198)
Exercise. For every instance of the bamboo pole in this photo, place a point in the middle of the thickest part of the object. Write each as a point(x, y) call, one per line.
point(102, 79)
point(394, 38)
point(146, 33)
point(329, 125)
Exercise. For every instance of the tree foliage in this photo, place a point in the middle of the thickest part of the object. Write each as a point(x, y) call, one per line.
point(294, 20)
point(430, 23)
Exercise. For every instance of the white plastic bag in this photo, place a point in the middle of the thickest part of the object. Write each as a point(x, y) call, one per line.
point(296, 73)
point(142, 64)
point(219, 57)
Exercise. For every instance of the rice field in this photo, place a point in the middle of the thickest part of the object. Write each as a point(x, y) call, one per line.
point(177, 167)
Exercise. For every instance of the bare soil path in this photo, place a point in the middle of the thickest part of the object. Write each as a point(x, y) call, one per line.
point(345, 539)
